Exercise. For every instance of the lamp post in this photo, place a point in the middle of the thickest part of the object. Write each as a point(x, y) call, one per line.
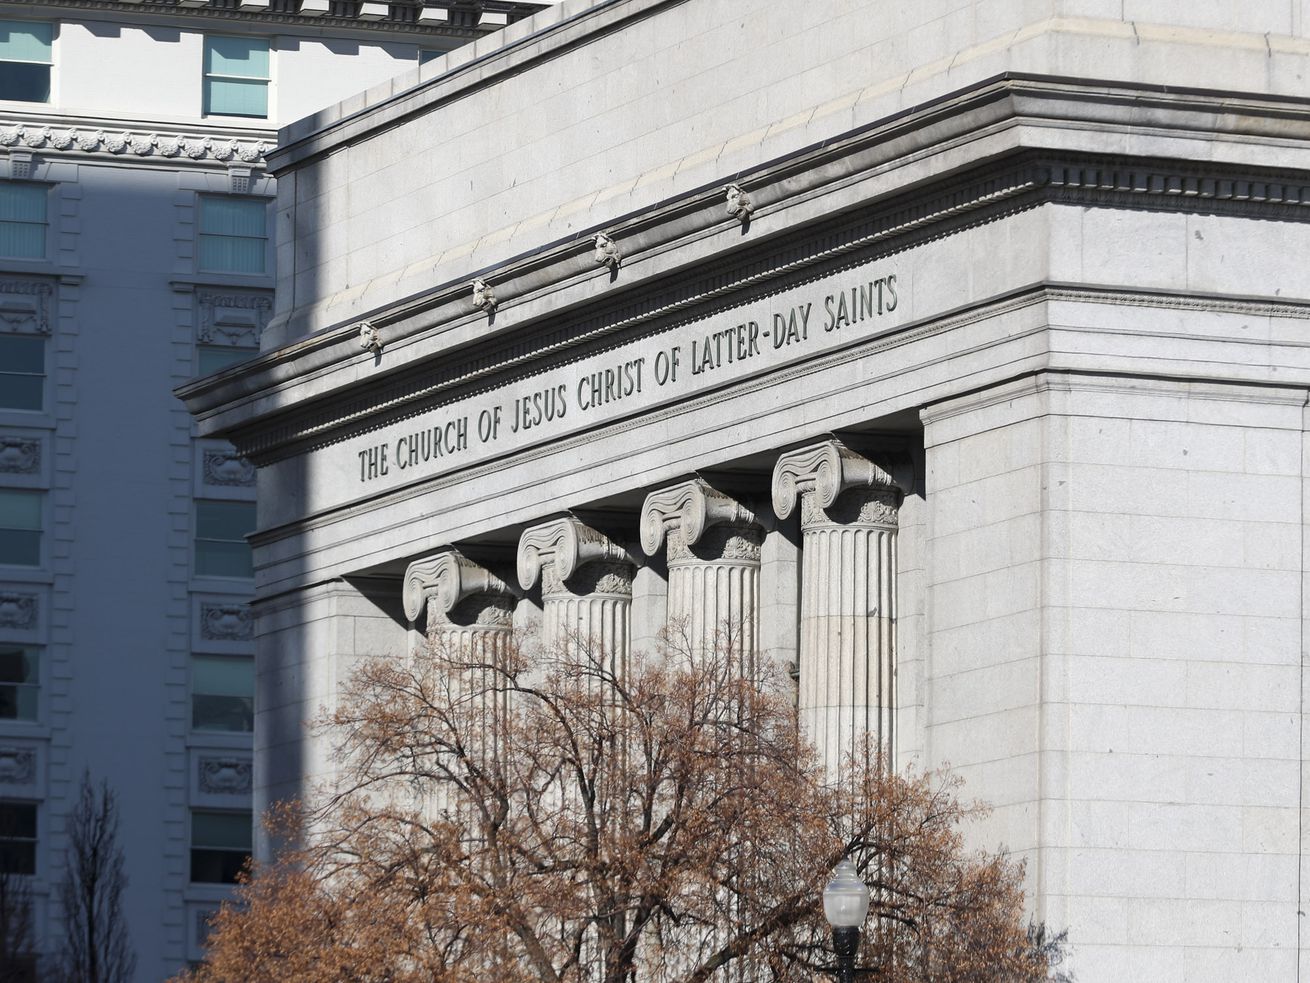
point(846, 905)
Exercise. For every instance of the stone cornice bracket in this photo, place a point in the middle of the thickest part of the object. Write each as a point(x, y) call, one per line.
point(825, 469)
point(444, 580)
point(370, 338)
point(606, 252)
point(740, 205)
point(692, 507)
point(484, 296)
point(569, 543)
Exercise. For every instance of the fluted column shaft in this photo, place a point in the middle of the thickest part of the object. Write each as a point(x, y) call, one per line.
point(848, 620)
point(593, 608)
point(714, 588)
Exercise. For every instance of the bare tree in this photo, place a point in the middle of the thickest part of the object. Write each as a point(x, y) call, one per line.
point(662, 823)
point(18, 957)
point(96, 946)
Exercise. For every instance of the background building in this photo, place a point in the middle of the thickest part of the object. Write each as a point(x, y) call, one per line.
point(136, 251)
point(960, 345)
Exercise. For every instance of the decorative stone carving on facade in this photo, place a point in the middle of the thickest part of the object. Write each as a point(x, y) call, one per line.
point(446, 579)
point(566, 543)
point(17, 766)
point(234, 320)
point(484, 296)
point(225, 776)
point(690, 507)
point(141, 144)
point(740, 205)
point(25, 306)
point(227, 622)
point(606, 252)
point(19, 455)
point(824, 470)
point(370, 338)
point(228, 469)
point(18, 611)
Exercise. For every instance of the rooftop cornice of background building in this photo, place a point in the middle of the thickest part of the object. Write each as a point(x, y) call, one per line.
point(140, 141)
point(462, 19)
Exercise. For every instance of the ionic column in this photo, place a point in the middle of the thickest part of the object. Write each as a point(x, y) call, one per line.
point(714, 563)
point(849, 508)
point(586, 587)
point(466, 613)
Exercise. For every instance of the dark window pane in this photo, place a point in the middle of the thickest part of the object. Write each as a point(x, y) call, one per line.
point(230, 713)
point(222, 830)
point(17, 665)
point(17, 819)
point(225, 520)
point(24, 83)
point(17, 857)
point(21, 392)
point(213, 358)
point(217, 866)
point(223, 559)
point(21, 548)
point(22, 354)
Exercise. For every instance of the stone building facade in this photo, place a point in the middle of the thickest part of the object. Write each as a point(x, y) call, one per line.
point(956, 349)
point(136, 253)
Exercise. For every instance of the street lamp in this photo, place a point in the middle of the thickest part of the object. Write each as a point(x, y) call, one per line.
point(846, 905)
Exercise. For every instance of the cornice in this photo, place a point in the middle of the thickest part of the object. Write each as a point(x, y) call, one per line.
point(129, 140)
point(457, 19)
point(473, 347)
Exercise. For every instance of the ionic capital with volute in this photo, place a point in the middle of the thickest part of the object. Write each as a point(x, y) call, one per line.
point(567, 543)
point(690, 508)
point(444, 580)
point(825, 470)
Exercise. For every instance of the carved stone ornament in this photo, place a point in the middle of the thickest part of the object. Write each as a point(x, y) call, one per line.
point(227, 622)
point(20, 455)
point(137, 143)
point(18, 611)
point(444, 580)
point(232, 320)
point(25, 306)
point(825, 470)
point(228, 469)
point(225, 776)
point(17, 766)
point(690, 507)
point(740, 205)
point(484, 296)
point(606, 252)
point(370, 339)
point(567, 543)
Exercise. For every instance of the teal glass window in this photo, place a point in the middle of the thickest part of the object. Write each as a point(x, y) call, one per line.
point(236, 77)
point(20, 682)
point(25, 60)
point(22, 372)
point(23, 219)
point(215, 358)
point(223, 693)
point(18, 837)
point(20, 527)
point(233, 234)
point(221, 530)
point(220, 845)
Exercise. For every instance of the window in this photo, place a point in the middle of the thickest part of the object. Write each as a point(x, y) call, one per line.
point(20, 527)
point(221, 530)
point(236, 77)
point(25, 61)
point(22, 219)
point(18, 837)
point(20, 676)
point(233, 234)
point(223, 693)
point(220, 845)
point(22, 372)
point(214, 358)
